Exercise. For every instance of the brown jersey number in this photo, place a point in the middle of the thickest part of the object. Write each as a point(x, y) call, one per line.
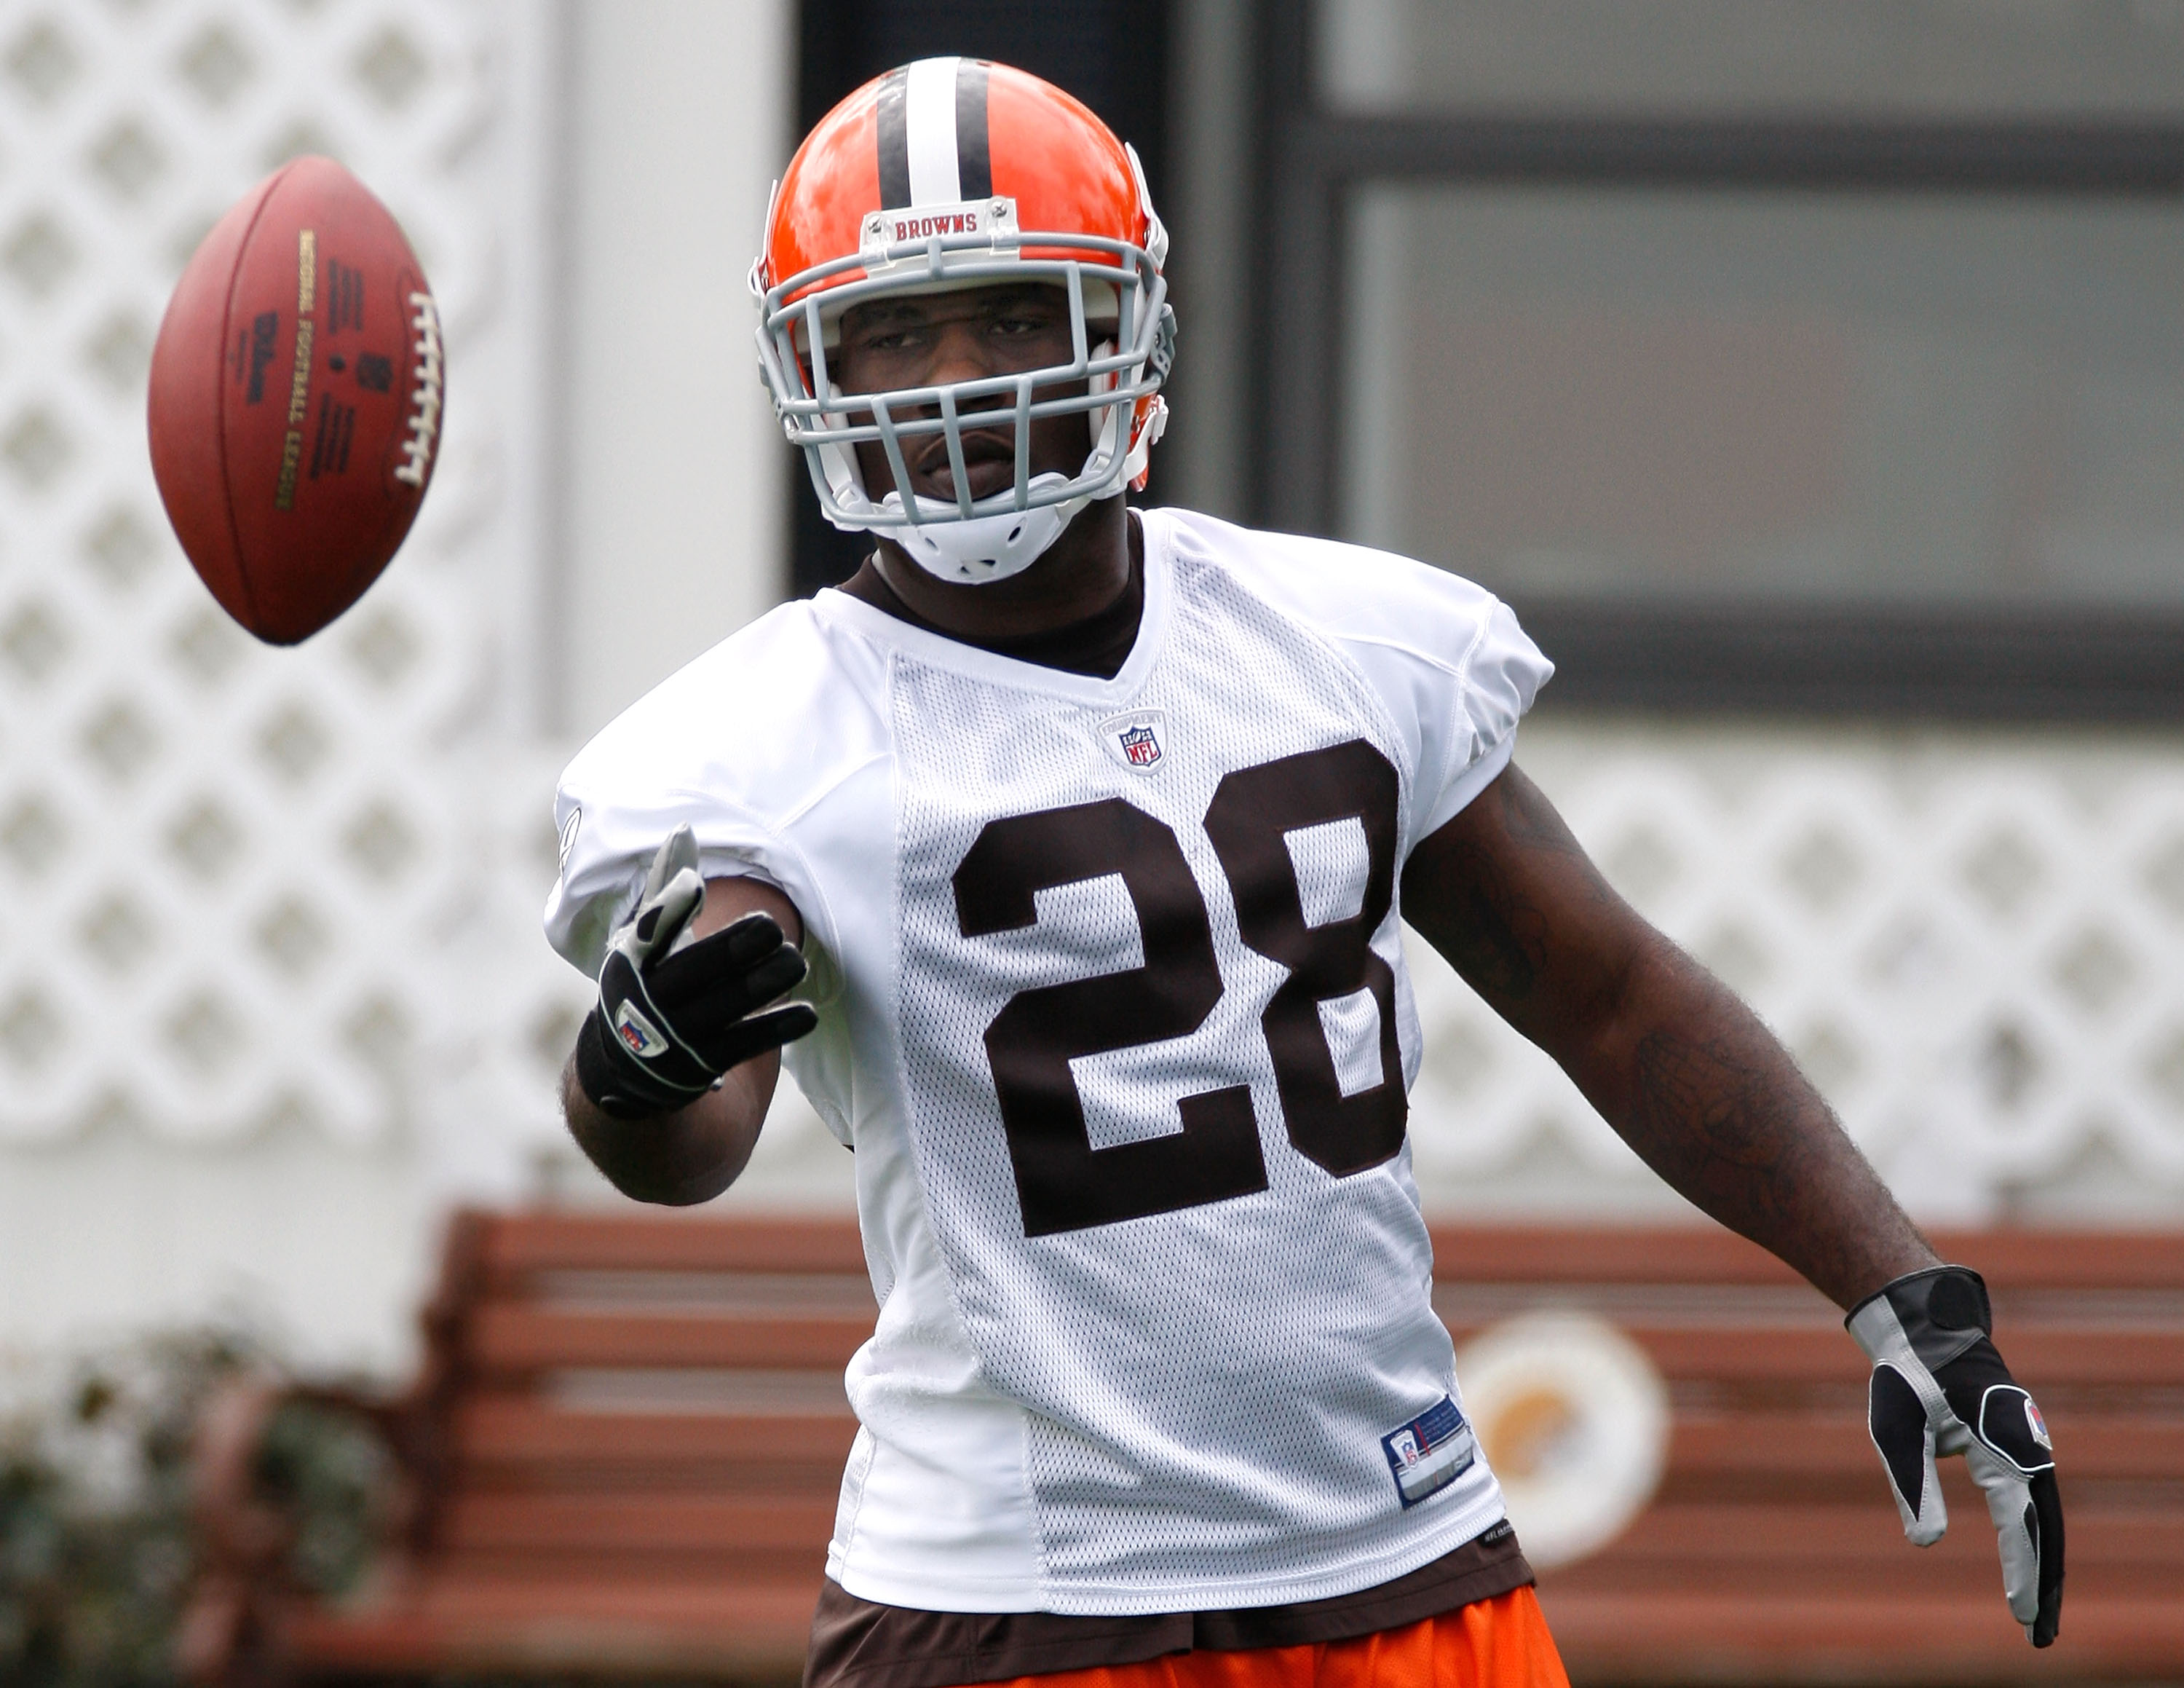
point(1064, 1183)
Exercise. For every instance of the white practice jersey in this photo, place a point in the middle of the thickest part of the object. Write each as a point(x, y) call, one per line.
point(1113, 1010)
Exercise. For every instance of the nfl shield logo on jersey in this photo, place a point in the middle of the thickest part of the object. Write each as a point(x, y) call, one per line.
point(1135, 739)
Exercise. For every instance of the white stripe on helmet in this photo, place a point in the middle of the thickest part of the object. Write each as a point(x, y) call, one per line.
point(929, 121)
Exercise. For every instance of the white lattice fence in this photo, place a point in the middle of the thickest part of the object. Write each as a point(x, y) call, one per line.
point(239, 887)
point(1973, 941)
point(225, 872)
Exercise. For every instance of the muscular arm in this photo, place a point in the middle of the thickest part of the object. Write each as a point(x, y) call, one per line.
point(1681, 1068)
point(681, 1159)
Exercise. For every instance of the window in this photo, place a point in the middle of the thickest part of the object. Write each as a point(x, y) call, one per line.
point(1780, 355)
point(1973, 59)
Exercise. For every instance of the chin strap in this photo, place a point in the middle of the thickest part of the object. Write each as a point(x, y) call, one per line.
point(1140, 465)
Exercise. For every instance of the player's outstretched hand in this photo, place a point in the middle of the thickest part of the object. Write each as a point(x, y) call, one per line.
point(675, 1013)
point(1939, 1387)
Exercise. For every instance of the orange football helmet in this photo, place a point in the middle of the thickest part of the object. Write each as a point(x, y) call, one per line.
point(953, 173)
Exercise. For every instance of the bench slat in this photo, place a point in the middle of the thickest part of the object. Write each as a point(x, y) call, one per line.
point(1483, 1254)
point(1680, 1254)
point(606, 1524)
point(1732, 1352)
point(531, 1242)
point(501, 1429)
point(466, 1621)
point(526, 1338)
point(1861, 1531)
point(2093, 1444)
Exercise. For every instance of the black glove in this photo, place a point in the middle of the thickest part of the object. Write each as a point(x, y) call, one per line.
point(675, 1013)
point(1939, 1387)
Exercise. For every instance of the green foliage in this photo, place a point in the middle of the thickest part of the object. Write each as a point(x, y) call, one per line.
point(332, 1477)
point(95, 1543)
point(94, 1520)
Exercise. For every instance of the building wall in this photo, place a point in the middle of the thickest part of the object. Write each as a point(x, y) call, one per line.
point(272, 989)
point(674, 512)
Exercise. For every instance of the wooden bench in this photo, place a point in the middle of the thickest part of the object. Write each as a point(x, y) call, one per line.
point(621, 1455)
point(1771, 1551)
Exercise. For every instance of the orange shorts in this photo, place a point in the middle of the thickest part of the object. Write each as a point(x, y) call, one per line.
point(1498, 1643)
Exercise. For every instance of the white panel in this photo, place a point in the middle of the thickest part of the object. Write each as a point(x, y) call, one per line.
point(678, 474)
point(929, 121)
point(327, 1250)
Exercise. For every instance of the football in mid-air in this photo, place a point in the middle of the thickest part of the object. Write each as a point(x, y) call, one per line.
point(295, 396)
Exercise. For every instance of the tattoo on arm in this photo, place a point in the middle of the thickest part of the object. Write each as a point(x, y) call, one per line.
point(1717, 1107)
point(1507, 894)
point(1499, 941)
point(1684, 1071)
point(1728, 1129)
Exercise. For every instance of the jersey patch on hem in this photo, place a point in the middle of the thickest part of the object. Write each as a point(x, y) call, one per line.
point(1430, 1452)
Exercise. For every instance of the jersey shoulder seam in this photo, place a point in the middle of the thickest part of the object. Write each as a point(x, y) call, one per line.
point(1455, 670)
point(1332, 642)
point(1458, 669)
point(1462, 722)
point(790, 817)
point(824, 914)
point(1459, 724)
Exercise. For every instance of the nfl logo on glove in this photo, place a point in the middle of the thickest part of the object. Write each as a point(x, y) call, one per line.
point(639, 1032)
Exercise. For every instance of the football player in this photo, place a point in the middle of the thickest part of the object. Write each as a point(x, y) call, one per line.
point(1061, 854)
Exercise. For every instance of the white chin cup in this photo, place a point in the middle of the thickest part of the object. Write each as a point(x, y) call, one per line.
point(977, 549)
point(985, 548)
